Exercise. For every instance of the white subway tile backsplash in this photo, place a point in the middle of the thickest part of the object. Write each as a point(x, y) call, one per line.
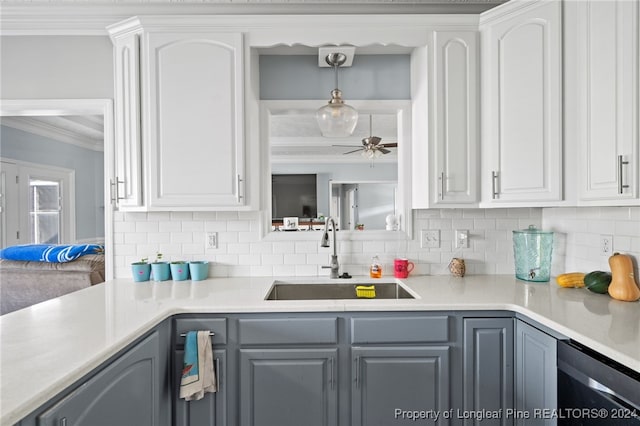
point(242, 251)
point(169, 226)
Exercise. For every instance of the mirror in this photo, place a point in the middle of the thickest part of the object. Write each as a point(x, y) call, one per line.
point(312, 177)
point(364, 205)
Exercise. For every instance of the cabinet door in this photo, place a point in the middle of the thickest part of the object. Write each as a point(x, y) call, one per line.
point(128, 392)
point(455, 120)
point(536, 374)
point(522, 105)
point(288, 387)
point(387, 379)
point(607, 46)
point(488, 367)
point(208, 411)
point(194, 124)
point(127, 183)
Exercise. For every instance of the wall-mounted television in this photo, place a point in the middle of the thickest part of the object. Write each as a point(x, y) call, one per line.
point(294, 195)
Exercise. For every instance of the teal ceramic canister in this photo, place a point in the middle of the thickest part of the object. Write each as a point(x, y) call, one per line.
point(199, 270)
point(140, 271)
point(160, 271)
point(179, 271)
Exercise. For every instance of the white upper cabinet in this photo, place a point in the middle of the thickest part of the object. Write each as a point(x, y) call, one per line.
point(606, 46)
point(522, 104)
point(445, 162)
point(194, 125)
point(126, 185)
point(182, 107)
point(455, 123)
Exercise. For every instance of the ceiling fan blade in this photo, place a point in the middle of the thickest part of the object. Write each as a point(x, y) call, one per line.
point(384, 150)
point(349, 146)
point(351, 152)
point(389, 145)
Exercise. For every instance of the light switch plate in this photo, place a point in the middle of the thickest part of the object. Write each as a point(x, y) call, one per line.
point(430, 238)
point(462, 238)
point(210, 240)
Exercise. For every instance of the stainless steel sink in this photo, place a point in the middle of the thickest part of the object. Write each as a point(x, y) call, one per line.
point(334, 290)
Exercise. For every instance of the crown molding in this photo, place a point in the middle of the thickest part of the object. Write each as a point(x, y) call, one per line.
point(40, 128)
point(92, 17)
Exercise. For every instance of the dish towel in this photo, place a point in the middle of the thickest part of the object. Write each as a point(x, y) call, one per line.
point(198, 376)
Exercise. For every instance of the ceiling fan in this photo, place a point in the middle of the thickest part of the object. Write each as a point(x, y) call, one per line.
point(371, 146)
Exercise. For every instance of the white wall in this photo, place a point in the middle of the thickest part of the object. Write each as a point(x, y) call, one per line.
point(56, 67)
point(578, 230)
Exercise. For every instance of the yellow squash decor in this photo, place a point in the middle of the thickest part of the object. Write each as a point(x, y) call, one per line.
point(623, 284)
point(571, 280)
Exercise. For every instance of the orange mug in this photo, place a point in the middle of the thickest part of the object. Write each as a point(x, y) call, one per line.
point(402, 267)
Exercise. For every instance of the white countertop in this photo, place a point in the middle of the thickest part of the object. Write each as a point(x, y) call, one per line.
point(46, 347)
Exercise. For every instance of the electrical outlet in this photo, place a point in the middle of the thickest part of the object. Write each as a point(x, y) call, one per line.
point(606, 245)
point(462, 238)
point(430, 238)
point(210, 240)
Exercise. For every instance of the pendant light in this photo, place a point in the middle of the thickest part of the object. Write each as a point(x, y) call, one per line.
point(336, 119)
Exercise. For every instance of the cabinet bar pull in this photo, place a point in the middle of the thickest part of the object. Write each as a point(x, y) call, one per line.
point(218, 373)
point(63, 421)
point(118, 182)
point(112, 186)
point(239, 180)
point(494, 185)
point(621, 163)
point(442, 186)
point(211, 333)
point(357, 367)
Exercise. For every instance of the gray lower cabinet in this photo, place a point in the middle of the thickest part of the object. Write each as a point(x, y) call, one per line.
point(288, 387)
point(536, 375)
point(325, 369)
point(488, 370)
point(130, 391)
point(390, 381)
point(211, 410)
point(288, 369)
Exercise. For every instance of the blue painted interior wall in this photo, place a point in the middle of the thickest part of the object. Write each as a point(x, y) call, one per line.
point(89, 173)
point(371, 77)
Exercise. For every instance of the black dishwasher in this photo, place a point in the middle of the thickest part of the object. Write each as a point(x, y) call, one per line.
point(595, 390)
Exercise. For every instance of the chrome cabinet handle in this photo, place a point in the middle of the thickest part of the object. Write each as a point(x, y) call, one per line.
point(494, 185)
point(112, 189)
point(621, 186)
point(218, 382)
point(117, 186)
point(442, 186)
point(63, 421)
point(239, 194)
point(357, 367)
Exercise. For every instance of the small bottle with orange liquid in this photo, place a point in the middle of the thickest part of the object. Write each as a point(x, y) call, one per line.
point(375, 271)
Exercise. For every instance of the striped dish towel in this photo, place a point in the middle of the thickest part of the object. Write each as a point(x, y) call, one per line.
point(198, 376)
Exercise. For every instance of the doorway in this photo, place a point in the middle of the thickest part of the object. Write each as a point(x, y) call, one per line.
point(45, 212)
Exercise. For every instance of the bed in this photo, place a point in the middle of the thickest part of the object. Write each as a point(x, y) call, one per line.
point(27, 282)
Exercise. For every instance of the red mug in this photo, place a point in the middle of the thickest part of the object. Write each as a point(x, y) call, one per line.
point(402, 267)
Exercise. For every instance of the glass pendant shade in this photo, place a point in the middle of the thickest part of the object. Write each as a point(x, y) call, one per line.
point(337, 119)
